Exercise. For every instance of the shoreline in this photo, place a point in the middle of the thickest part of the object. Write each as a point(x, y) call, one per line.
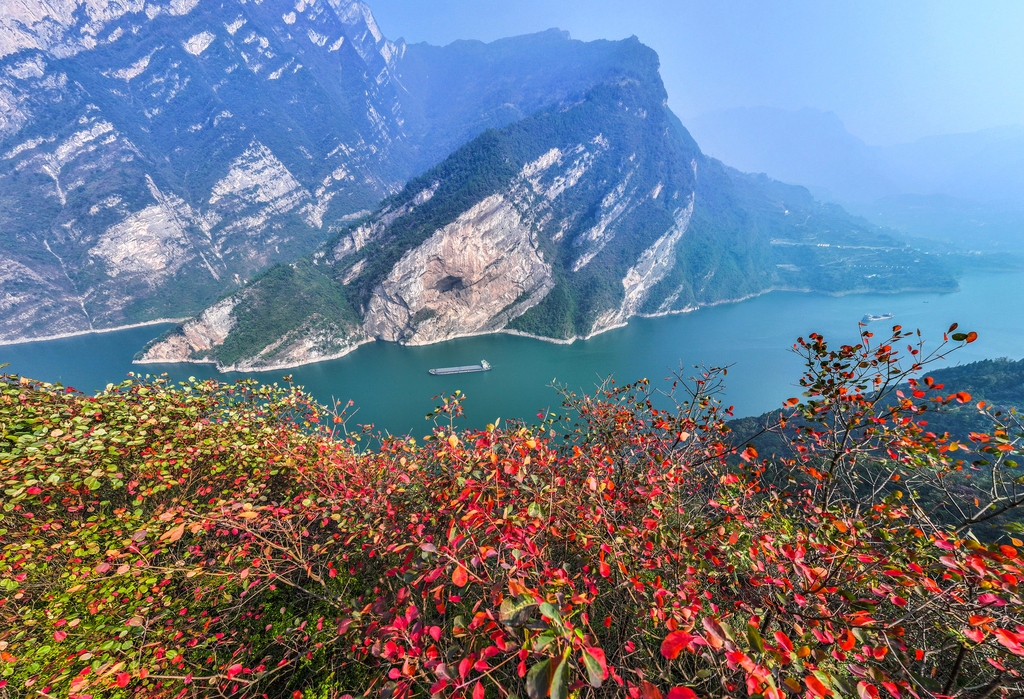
point(272, 367)
point(94, 331)
point(506, 331)
point(712, 304)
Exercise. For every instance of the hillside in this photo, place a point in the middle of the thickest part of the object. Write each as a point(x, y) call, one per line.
point(153, 157)
point(560, 225)
point(961, 189)
point(998, 383)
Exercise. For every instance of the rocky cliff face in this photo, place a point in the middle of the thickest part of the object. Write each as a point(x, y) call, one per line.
point(561, 225)
point(472, 276)
point(154, 156)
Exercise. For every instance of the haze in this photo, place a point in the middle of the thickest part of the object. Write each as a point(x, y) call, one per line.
point(892, 72)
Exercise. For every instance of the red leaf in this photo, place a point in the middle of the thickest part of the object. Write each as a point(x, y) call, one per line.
point(847, 642)
point(716, 635)
point(892, 689)
point(675, 643)
point(988, 598)
point(975, 634)
point(478, 691)
point(867, 691)
point(649, 691)
point(783, 641)
point(681, 693)
point(59, 636)
point(1009, 639)
point(123, 679)
point(460, 576)
point(598, 655)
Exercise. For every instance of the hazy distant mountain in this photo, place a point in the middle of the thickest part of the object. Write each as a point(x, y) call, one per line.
point(806, 147)
point(155, 156)
point(965, 187)
point(560, 225)
point(985, 166)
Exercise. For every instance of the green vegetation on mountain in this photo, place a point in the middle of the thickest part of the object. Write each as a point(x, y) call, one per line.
point(140, 136)
point(280, 301)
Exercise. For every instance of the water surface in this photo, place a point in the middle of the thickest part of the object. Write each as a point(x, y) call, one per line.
point(392, 389)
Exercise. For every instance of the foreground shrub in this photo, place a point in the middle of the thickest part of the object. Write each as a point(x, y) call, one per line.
point(215, 540)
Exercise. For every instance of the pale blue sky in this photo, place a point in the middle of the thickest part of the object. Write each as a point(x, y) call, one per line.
point(893, 70)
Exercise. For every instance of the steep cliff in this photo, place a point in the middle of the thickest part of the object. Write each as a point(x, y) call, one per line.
point(154, 156)
point(561, 225)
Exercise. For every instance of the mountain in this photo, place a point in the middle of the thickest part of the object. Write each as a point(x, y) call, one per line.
point(807, 147)
point(561, 225)
point(966, 188)
point(153, 157)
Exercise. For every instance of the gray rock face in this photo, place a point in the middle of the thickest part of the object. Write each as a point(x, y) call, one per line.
point(139, 176)
point(198, 335)
point(472, 276)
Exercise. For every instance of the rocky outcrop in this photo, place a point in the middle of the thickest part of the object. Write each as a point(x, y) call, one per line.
point(191, 340)
point(305, 345)
point(472, 276)
point(651, 267)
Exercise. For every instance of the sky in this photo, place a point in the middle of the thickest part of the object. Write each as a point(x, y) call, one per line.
point(892, 71)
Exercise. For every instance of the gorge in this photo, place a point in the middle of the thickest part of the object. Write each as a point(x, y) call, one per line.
point(409, 193)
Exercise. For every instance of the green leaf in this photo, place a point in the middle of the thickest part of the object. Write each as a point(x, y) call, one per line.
point(559, 687)
point(754, 638)
point(959, 337)
point(548, 610)
point(516, 611)
point(541, 642)
point(594, 672)
point(538, 681)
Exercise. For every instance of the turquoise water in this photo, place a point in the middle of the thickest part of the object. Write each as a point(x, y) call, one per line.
point(392, 389)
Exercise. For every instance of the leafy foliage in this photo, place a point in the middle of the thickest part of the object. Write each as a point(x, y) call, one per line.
point(208, 539)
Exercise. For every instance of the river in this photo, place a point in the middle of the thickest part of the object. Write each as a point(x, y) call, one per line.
point(392, 389)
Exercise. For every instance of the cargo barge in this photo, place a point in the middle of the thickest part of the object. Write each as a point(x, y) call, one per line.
point(444, 371)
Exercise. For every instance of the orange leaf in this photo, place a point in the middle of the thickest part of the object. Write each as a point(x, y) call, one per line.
point(173, 535)
point(816, 687)
point(460, 576)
